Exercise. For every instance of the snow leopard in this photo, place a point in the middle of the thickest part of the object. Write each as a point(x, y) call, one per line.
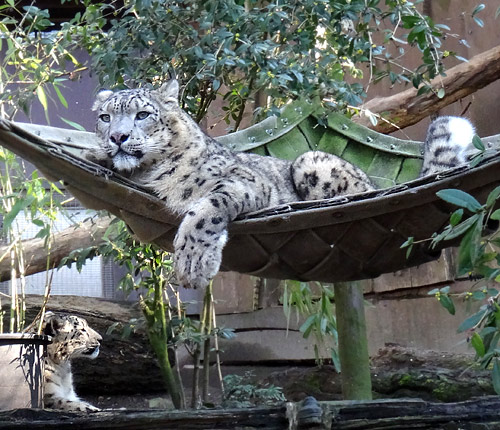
point(71, 338)
point(448, 144)
point(144, 134)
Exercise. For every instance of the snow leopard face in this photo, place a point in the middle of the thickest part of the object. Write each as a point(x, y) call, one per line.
point(133, 126)
point(71, 337)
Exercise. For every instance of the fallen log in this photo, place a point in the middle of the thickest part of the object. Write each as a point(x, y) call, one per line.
point(407, 108)
point(84, 235)
point(351, 415)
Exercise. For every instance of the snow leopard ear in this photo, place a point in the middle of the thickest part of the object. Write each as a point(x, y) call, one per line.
point(51, 324)
point(100, 98)
point(169, 91)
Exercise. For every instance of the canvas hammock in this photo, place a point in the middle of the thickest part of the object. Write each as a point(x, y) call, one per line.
point(343, 239)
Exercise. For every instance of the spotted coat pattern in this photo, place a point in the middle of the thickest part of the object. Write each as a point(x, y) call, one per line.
point(71, 338)
point(145, 134)
point(447, 144)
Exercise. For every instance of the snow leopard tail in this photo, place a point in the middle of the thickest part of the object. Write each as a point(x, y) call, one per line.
point(447, 143)
point(319, 175)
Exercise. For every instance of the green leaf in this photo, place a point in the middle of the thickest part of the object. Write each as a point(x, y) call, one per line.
point(42, 97)
point(16, 208)
point(60, 96)
point(461, 228)
point(441, 93)
point(408, 242)
point(492, 197)
point(336, 360)
point(478, 143)
point(308, 326)
point(73, 124)
point(477, 344)
point(478, 9)
point(471, 321)
point(496, 215)
point(459, 198)
point(447, 303)
point(456, 217)
point(495, 375)
point(478, 21)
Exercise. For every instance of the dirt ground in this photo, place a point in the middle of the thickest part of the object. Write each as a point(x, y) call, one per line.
point(397, 372)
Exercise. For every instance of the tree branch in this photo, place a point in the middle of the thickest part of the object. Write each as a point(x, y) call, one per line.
point(87, 234)
point(407, 108)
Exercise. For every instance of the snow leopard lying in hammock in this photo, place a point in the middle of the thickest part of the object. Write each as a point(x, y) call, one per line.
point(145, 134)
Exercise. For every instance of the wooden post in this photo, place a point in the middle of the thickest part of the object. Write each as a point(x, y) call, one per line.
point(353, 343)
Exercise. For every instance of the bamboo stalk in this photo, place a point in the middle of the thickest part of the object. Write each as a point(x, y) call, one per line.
point(207, 314)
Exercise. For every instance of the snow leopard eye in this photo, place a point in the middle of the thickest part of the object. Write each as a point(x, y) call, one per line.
point(105, 117)
point(142, 115)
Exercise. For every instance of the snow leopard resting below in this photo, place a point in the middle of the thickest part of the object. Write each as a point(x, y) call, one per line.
point(145, 134)
point(71, 338)
point(448, 144)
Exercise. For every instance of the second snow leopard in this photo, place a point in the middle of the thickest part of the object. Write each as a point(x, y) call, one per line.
point(71, 338)
point(146, 134)
point(448, 144)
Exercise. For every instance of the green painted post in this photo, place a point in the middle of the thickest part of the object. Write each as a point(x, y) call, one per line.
point(353, 343)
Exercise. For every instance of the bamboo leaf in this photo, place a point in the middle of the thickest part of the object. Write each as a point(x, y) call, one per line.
point(42, 98)
point(73, 124)
point(16, 208)
point(60, 96)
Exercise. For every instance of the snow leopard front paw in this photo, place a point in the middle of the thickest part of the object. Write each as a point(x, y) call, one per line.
point(196, 260)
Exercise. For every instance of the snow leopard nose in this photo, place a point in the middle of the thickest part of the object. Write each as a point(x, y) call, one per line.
point(118, 138)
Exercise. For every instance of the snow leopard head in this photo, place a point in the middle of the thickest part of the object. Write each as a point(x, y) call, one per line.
point(71, 337)
point(134, 127)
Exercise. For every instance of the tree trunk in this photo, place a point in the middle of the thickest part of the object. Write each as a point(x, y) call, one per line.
point(87, 234)
point(407, 108)
point(353, 343)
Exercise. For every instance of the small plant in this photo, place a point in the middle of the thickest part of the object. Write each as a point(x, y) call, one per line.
point(241, 392)
point(316, 305)
point(32, 197)
point(150, 273)
point(479, 257)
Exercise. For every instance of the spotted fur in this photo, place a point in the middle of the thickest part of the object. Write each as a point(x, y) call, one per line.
point(71, 338)
point(448, 144)
point(145, 134)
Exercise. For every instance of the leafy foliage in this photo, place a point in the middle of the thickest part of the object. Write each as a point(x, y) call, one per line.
point(239, 49)
point(478, 255)
point(315, 304)
point(240, 392)
point(33, 198)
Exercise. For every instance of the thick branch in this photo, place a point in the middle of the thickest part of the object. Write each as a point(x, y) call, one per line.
point(87, 234)
point(406, 108)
